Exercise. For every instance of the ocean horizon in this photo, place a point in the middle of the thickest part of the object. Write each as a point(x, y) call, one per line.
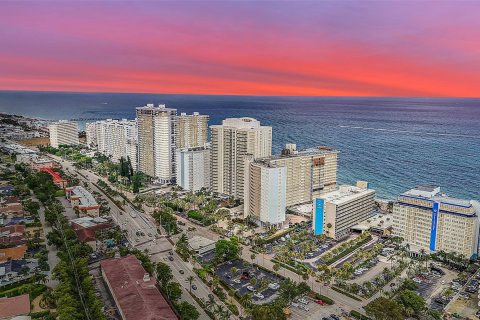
point(393, 143)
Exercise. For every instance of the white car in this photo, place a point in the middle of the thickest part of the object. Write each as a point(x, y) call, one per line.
point(236, 281)
point(258, 295)
point(250, 288)
point(303, 300)
point(274, 286)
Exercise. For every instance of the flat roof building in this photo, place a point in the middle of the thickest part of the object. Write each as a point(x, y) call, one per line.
point(14, 307)
point(234, 139)
point(193, 168)
point(334, 213)
point(133, 291)
point(310, 172)
point(265, 192)
point(201, 244)
point(63, 132)
point(431, 220)
point(81, 198)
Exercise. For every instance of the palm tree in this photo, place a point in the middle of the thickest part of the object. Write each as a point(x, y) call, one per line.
point(190, 279)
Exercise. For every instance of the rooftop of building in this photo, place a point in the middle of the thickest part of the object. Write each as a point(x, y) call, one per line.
point(152, 107)
point(381, 221)
point(198, 242)
point(290, 152)
point(241, 123)
point(87, 222)
point(432, 192)
point(86, 199)
point(345, 193)
point(55, 176)
point(136, 294)
point(14, 306)
point(17, 252)
point(195, 114)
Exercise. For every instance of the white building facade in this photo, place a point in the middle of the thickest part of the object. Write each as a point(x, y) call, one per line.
point(193, 168)
point(63, 132)
point(334, 213)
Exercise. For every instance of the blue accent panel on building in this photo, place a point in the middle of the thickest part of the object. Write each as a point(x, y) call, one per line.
point(433, 231)
point(319, 209)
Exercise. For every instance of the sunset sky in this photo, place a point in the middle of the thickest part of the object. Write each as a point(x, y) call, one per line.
point(333, 48)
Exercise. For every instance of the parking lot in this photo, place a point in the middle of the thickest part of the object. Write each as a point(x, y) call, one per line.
point(265, 284)
point(313, 310)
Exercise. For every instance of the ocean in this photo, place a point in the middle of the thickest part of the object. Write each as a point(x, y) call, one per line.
point(393, 143)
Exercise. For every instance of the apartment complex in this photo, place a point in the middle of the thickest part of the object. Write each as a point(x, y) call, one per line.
point(334, 213)
point(114, 139)
point(430, 220)
point(63, 132)
point(310, 172)
point(265, 192)
point(231, 142)
point(157, 141)
point(192, 130)
point(193, 168)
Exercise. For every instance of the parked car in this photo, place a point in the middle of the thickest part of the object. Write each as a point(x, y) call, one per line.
point(170, 258)
point(320, 302)
point(236, 281)
point(258, 295)
point(194, 287)
point(181, 271)
point(250, 288)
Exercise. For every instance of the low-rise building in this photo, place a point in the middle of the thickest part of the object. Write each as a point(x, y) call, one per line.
point(86, 227)
point(35, 161)
point(193, 168)
point(200, 245)
point(380, 224)
point(57, 180)
point(11, 206)
point(14, 234)
point(13, 253)
point(14, 307)
point(133, 291)
point(83, 200)
point(334, 213)
point(430, 220)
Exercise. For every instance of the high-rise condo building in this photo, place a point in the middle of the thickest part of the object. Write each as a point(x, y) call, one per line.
point(430, 220)
point(63, 132)
point(265, 192)
point(115, 139)
point(231, 142)
point(310, 172)
point(192, 130)
point(334, 213)
point(193, 168)
point(91, 134)
point(157, 141)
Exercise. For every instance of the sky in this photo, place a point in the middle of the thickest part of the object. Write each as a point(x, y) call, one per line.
point(299, 48)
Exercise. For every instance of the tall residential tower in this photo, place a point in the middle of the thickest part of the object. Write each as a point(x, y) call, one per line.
point(234, 139)
point(157, 141)
point(63, 132)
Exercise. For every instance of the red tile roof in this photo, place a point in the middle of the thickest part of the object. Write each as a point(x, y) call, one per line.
point(15, 253)
point(14, 306)
point(136, 298)
point(56, 178)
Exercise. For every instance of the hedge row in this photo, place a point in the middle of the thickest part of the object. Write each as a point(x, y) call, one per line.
point(349, 250)
point(348, 294)
point(358, 315)
point(289, 267)
point(324, 298)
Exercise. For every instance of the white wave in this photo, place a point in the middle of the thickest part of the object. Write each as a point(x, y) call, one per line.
point(412, 132)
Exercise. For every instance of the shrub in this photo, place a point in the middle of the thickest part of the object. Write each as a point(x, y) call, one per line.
point(358, 315)
point(346, 294)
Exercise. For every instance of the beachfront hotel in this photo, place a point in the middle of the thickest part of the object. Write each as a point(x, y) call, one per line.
point(234, 139)
point(63, 132)
point(310, 172)
point(430, 220)
point(334, 213)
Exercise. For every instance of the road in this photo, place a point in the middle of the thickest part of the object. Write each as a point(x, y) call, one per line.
point(156, 244)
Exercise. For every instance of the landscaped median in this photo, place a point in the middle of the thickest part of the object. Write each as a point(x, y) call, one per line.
point(348, 294)
point(349, 247)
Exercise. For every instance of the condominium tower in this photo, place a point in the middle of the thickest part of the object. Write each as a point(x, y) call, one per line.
point(115, 139)
point(430, 220)
point(231, 142)
point(193, 168)
point(157, 141)
point(63, 132)
point(310, 172)
point(265, 192)
point(192, 130)
point(334, 213)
